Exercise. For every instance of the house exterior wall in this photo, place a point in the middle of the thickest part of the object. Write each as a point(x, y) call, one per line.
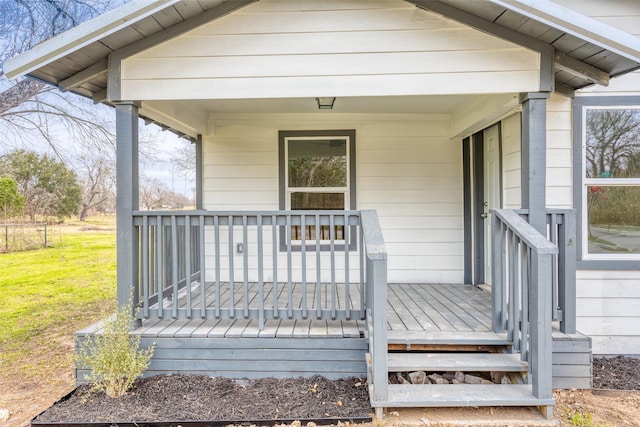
point(274, 49)
point(608, 301)
point(407, 168)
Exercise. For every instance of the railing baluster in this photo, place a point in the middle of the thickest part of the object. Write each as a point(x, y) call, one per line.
point(347, 296)
point(187, 261)
point(318, 272)
point(497, 278)
point(524, 349)
point(361, 253)
point(245, 265)
point(289, 272)
point(553, 237)
point(566, 273)
point(260, 274)
point(303, 254)
point(232, 303)
point(274, 283)
point(203, 283)
point(174, 265)
point(160, 265)
point(145, 266)
point(332, 254)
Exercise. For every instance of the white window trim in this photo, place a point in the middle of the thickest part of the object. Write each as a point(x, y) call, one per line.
point(602, 182)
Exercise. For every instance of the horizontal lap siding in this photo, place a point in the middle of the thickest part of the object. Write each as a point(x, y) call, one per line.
point(407, 169)
point(256, 357)
point(370, 48)
point(511, 165)
point(571, 361)
point(608, 310)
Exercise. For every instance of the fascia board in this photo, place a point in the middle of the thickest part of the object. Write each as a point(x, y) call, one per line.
point(578, 25)
point(84, 34)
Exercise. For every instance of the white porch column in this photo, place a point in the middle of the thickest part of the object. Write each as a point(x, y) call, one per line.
point(534, 157)
point(126, 198)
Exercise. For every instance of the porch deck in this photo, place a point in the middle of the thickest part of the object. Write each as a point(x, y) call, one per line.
point(410, 308)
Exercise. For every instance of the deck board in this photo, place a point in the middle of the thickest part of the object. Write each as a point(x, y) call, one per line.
point(411, 307)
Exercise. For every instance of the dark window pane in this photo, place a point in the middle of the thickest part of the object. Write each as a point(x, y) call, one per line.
point(614, 219)
point(613, 143)
point(322, 201)
point(317, 163)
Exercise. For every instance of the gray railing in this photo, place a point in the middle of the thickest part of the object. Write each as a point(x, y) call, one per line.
point(561, 231)
point(251, 265)
point(522, 260)
point(376, 286)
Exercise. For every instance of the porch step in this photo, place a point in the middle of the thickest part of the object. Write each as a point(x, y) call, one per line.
point(457, 395)
point(451, 362)
point(447, 338)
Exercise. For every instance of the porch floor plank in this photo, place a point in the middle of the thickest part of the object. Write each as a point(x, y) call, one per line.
point(431, 308)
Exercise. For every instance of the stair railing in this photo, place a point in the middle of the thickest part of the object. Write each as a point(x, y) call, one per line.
point(522, 294)
point(376, 301)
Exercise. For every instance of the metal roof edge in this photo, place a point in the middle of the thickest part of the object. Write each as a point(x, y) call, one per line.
point(82, 35)
point(578, 25)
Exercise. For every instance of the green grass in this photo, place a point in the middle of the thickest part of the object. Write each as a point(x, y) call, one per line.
point(47, 294)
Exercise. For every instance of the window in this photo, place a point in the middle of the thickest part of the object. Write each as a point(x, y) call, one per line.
point(610, 175)
point(317, 172)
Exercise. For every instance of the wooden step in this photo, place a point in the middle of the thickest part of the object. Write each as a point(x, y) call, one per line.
point(451, 362)
point(458, 395)
point(448, 338)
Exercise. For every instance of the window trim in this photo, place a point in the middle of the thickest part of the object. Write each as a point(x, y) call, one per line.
point(593, 261)
point(283, 195)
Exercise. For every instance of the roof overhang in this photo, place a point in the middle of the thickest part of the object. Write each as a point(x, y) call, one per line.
point(577, 51)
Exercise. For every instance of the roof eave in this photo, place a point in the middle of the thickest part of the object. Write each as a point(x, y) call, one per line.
point(576, 24)
point(82, 35)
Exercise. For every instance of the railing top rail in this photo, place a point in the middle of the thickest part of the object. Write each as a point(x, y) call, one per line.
point(549, 211)
point(373, 239)
point(247, 213)
point(525, 231)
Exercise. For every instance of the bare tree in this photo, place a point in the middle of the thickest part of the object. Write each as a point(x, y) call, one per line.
point(613, 142)
point(29, 109)
point(98, 184)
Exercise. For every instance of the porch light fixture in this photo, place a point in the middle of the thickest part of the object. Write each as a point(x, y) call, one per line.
point(325, 103)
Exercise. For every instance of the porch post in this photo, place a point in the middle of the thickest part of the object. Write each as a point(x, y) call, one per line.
point(199, 172)
point(126, 198)
point(534, 163)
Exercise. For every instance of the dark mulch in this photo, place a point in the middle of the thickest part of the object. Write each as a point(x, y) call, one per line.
point(201, 398)
point(616, 373)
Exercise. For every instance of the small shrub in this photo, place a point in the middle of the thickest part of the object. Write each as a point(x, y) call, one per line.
point(579, 419)
point(114, 357)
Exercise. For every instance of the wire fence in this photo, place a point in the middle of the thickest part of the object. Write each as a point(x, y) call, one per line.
point(23, 237)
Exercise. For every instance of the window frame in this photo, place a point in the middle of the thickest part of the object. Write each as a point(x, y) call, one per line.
point(585, 260)
point(285, 192)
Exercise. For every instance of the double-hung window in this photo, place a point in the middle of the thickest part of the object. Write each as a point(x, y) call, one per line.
point(317, 173)
point(609, 159)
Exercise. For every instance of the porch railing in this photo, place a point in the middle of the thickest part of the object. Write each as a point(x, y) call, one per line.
point(561, 231)
point(521, 290)
point(251, 265)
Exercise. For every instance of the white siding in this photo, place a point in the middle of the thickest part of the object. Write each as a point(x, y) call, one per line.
point(407, 169)
point(608, 309)
point(274, 49)
point(608, 302)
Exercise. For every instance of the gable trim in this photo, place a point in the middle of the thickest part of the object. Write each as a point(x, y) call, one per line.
point(546, 51)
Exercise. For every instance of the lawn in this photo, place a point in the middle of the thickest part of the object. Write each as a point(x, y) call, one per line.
point(48, 294)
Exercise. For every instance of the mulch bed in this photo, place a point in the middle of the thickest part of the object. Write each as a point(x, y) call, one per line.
point(616, 373)
point(182, 397)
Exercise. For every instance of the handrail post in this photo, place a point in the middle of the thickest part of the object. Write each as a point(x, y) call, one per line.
point(540, 332)
point(376, 266)
point(567, 273)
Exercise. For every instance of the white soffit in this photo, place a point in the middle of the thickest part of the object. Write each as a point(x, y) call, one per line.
point(84, 34)
point(576, 24)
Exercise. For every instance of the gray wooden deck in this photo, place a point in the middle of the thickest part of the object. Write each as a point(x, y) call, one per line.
point(411, 307)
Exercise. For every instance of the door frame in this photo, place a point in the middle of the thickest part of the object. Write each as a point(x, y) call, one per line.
point(473, 203)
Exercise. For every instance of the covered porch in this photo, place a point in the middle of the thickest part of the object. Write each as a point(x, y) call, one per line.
point(220, 295)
